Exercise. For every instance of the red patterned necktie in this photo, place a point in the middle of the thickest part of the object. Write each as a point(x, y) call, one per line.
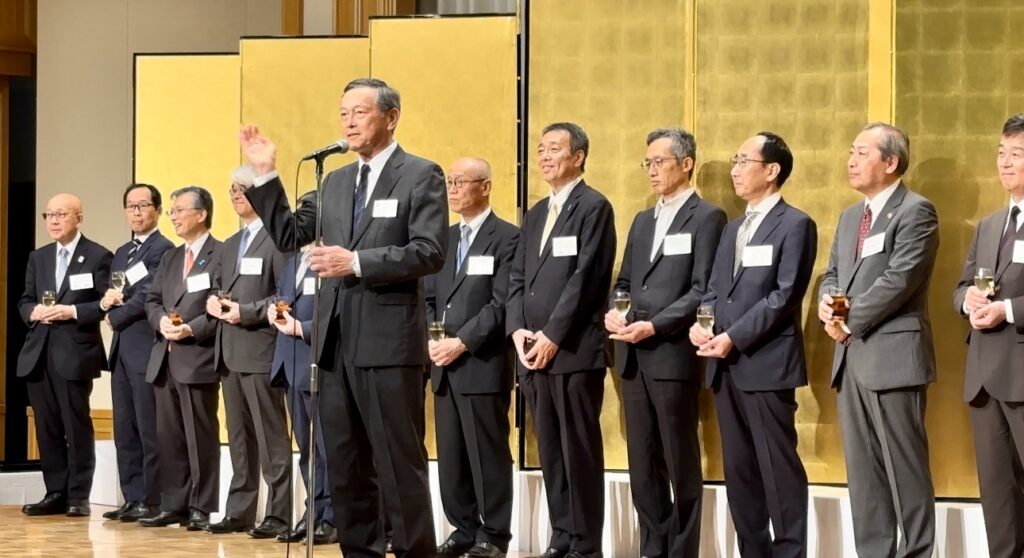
point(865, 228)
point(189, 260)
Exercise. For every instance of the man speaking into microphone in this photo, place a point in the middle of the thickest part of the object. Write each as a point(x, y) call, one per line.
point(384, 227)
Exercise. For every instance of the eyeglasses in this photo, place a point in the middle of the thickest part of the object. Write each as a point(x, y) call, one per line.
point(742, 160)
point(60, 216)
point(656, 162)
point(138, 207)
point(238, 189)
point(458, 182)
point(178, 210)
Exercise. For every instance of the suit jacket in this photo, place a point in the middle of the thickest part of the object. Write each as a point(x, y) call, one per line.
point(75, 345)
point(565, 295)
point(473, 309)
point(891, 345)
point(133, 337)
point(994, 356)
point(668, 290)
point(760, 306)
point(190, 360)
point(249, 345)
point(380, 315)
point(291, 354)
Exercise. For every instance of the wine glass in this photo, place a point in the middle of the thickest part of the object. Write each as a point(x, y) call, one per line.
point(49, 300)
point(985, 282)
point(621, 302)
point(118, 280)
point(436, 330)
point(706, 317)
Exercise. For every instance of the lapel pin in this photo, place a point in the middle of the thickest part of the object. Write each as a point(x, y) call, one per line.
point(81, 259)
point(200, 263)
point(889, 215)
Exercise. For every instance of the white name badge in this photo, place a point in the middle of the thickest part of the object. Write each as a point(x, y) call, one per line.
point(136, 273)
point(251, 266)
point(80, 281)
point(757, 256)
point(873, 245)
point(562, 246)
point(308, 285)
point(480, 265)
point(198, 283)
point(677, 244)
point(385, 209)
point(1018, 251)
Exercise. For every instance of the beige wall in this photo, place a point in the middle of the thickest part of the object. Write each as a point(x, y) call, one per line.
point(84, 118)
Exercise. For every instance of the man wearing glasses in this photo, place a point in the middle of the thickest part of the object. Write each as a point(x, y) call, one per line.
point(63, 353)
point(665, 270)
point(756, 351)
point(134, 400)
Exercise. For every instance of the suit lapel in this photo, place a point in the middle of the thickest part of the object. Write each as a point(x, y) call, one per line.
point(480, 244)
point(253, 247)
point(386, 183)
point(678, 222)
point(1004, 265)
point(198, 268)
point(346, 191)
point(74, 266)
point(878, 227)
point(768, 225)
point(563, 217)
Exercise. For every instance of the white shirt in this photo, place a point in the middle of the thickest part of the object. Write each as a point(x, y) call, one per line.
point(561, 197)
point(300, 271)
point(664, 213)
point(255, 226)
point(474, 225)
point(1020, 215)
point(142, 238)
point(762, 208)
point(196, 246)
point(877, 204)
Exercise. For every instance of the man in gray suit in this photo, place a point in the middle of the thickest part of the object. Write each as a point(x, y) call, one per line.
point(257, 428)
point(882, 258)
point(994, 386)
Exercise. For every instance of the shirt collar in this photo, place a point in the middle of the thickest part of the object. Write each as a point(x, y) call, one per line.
point(142, 238)
point(196, 246)
point(561, 197)
point(677, 201)
point(877, 204)
point(377, 161)
point(71, 246)
point(477, 221)
point(766, 205)
point(1019, 204)
point(254, 227)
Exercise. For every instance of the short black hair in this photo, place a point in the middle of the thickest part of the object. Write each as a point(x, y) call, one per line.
point(775, 150)
point(203, 199)
point(1014, 126)
point(154, 194)
point(578, 140)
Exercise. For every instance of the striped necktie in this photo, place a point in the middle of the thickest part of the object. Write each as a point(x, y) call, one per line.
point(136, 244)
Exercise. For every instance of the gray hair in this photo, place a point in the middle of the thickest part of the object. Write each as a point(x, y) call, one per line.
point(894, 143)
point(387, 97)
point(203, 200)
point(244, 176)
point(682, 144)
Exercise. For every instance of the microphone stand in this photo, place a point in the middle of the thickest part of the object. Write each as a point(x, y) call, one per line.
point(314, 370)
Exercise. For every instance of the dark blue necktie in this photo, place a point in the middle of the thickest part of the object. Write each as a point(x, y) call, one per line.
point(136, 243)
point(359, 203)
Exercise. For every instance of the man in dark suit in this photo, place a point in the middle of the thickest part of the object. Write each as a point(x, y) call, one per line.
point(258, 439)
point(63, 353)
point(993, 386)
point(761, 273)
point(182, 367)
point(882, 259)
point(558, 286)
point(134, 399)
point(665, 270)
point(472, 375)
point(384, 229)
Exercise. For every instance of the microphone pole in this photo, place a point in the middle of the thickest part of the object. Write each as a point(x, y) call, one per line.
point(314, 370)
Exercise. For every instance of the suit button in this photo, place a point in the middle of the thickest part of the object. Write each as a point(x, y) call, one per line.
point(728, 300)
point(643, 288)
point(531, 293)
point(449, 305)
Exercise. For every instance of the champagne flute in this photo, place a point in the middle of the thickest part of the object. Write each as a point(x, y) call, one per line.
point(118, 280)
point(621, 302)
point(840, 305)
point(985, 282)
point(49, 300)
point(706, 317)
point(436, 330)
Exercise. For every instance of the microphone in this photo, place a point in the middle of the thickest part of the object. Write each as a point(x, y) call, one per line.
point(340, 146)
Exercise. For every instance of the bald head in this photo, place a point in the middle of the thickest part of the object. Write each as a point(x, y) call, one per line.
point(469, 187)
point(63, 217)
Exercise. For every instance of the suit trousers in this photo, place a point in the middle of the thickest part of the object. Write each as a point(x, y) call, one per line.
point(566, 410)
point(300, 406)
point(189, 432)
point(67, 442)
point(664, 459)
point(999, 447)
point(887, 469)
point(764, 477)
point(138, 462)
point(474, 464)
point(257, 439)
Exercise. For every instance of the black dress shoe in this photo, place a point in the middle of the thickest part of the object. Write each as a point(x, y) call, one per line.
point(78, 508)
point(552, 553)
point(52, 504)
point(164, 519)
point(228, 525)
point(484, 550)
point(269, 529)
point(575, 554)
point(325, 533)
point(141, 511)
point(298, 534)
point(452, 549)
point(198, 521)
point(116, 514)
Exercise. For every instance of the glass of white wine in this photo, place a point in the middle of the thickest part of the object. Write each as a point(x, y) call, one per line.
point(436, 331)
point(985, 281)
point(118, 280)
point(621, 302)
point(706, 317)
point(49, 300)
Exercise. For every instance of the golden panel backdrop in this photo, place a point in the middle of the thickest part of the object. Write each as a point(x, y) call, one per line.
point(457, 78)
point(957, 81)
point(619, 72)
point(291, 89)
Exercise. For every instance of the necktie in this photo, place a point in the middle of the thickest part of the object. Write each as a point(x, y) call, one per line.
point(242, 247)
point(359, 202)
point(742, 238)
point(548, 224)
point(463, 247)
point(865, 228)
point(136, 243)
point(189, 260)
point(1006, 244)
point(62, 266)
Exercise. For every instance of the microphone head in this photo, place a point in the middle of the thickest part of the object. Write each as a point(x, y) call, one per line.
point(342, 145)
